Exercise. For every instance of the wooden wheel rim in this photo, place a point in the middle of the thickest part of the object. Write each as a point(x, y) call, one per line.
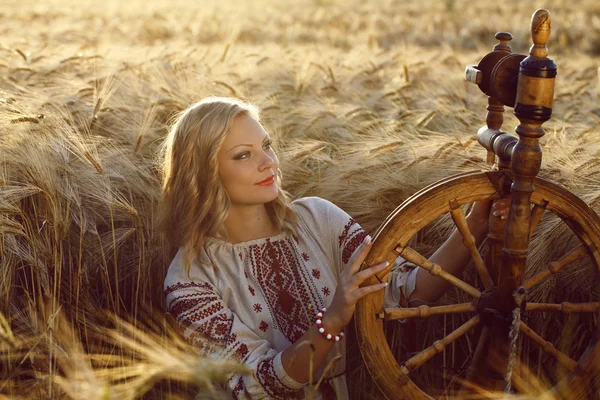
point(413, 215)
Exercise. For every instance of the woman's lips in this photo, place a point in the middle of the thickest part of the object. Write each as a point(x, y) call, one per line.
point(267, 182)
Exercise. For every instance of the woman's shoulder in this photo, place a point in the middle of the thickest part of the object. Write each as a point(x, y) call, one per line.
point(312, 210)
point(312, 204)
point(321, 216)
point(177, 273)
point(321, 210)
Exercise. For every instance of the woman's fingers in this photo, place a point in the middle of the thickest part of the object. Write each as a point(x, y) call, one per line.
point(501, 204)
point(360, 256)
point(360, 277)
point(501, 208)
point(365, 290)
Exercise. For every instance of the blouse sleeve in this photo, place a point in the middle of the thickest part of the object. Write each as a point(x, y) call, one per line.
point(217, 333)
point(402, 282)
point(347, 236)
point(344, 237)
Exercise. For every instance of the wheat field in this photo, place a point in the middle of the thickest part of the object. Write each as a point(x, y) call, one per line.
point(366, 102)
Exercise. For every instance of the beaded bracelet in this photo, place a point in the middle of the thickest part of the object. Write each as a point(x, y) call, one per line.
point(322, 331)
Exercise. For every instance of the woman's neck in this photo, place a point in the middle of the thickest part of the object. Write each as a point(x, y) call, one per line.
point(245, 223)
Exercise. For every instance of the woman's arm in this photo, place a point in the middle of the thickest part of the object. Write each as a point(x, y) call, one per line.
point(296, 359)
point(217, 332)
point(453, 256)
point(313, 348)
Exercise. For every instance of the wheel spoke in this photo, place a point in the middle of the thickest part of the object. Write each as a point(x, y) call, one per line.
point(461, 223)
point(536, 216)
point(425, 311)
point(564, 307)
point(574, 255)
point(549, 348)
point(434, 269)
point(438, 346)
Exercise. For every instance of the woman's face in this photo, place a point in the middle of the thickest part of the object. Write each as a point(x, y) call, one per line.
point(247, 163)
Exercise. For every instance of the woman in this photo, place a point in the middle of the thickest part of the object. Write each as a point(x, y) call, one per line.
point(254, 270)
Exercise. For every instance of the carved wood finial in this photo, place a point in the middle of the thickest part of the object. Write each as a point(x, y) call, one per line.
point(540, 32)
point(503, 38)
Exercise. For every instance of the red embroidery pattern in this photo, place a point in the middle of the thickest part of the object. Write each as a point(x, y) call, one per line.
point(251, 289)
point(344, 234)
point(238, 388)
point(180, 285)
point(205, 300)
point(305, 256)
point(290, 292)
point(203, 311)
point(316, 273)
point(241, 352)
point(240, 254)
point(273, 386)
point(326, 291)
point(232, 338)
point(257, 307)
point(349, 242)
point(263, 326)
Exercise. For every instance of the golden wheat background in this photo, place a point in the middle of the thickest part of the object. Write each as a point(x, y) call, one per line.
point(366, 101)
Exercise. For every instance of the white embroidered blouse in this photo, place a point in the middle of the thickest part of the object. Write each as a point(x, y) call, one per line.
point(250, 301)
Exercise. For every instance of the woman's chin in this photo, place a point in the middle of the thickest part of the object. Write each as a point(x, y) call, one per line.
point(273, 195)
point(265, 197)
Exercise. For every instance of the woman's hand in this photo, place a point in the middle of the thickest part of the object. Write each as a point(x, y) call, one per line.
point(348, 290)
point(478, 218)
point(500, 208)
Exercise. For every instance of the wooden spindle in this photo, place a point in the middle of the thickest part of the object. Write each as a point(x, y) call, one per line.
point(549, 348)
point(564, 307)
point(536, 216)
point(469, 241)
point(425, 311)
point(438, 346)
point(576, 254)
point(436, 270)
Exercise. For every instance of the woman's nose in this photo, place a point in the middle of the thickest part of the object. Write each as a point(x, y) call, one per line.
point(267, 161)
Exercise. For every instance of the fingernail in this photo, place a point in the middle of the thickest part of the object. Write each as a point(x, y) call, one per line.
point(496, 213)
point(383, 265)
point(367, 240)
point(384, 284)
point(503, 217)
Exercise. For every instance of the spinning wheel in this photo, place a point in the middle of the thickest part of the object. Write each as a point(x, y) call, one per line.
point(499, 301)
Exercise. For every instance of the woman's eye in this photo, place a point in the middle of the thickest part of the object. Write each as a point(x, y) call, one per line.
point(246, 154)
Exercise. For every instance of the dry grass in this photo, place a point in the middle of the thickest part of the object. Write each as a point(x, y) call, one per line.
point(367, 105)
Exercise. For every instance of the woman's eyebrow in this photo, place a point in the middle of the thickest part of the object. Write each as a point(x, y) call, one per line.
point(249, 145)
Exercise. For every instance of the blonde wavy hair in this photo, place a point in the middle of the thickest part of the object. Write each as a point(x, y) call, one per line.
point(194, 203)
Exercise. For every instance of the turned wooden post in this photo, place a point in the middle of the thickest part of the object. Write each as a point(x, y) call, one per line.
point(481, 371)
point(495, 108)
point(494, 120)
point(533, 107)
point(508, 240)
